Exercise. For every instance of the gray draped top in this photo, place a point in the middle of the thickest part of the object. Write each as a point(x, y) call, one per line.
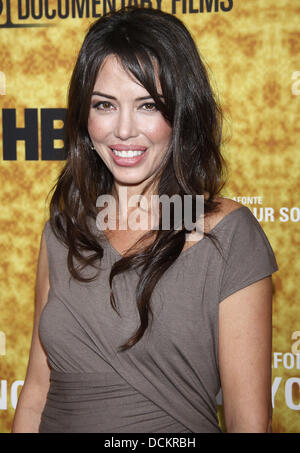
point(168, 381)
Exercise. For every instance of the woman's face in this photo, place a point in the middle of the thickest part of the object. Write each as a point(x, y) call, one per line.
point(128, 132)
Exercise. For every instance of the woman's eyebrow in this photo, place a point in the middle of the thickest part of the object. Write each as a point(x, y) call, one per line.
point(143, 98)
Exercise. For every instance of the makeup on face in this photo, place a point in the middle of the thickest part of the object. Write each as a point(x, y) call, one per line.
point(127, 130)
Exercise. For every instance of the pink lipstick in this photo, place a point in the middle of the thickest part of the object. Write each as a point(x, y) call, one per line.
point(127, 155)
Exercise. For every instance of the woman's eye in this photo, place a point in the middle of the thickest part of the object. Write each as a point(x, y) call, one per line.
point(102, 105)
point(150, 106)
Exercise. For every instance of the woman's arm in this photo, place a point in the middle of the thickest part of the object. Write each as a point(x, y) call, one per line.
point(245, 352)
point(33, 394)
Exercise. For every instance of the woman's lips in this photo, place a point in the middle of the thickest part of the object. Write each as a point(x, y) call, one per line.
point(127, 161)
point(120, 147)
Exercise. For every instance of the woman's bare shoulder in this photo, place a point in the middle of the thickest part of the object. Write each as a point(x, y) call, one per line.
point(225, 207)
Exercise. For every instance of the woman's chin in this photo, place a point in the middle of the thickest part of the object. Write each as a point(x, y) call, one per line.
point(129, 180)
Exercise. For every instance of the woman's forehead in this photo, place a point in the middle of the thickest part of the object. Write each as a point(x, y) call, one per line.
point(112, 72)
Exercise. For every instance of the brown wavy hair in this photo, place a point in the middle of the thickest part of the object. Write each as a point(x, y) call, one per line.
point(143, 39)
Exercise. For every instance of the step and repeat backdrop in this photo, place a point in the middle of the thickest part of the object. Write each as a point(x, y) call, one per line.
point(252, 51)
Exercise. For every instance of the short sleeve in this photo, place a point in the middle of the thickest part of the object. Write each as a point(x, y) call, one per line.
point(250, 256)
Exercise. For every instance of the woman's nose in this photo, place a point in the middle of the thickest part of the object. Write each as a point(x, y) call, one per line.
point(126, 126)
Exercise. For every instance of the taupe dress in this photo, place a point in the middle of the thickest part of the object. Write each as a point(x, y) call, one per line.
point(167, 382)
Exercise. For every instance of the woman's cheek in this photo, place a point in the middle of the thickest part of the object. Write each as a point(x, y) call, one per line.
point(158, 130)
point(96, 129)
point(91, 126)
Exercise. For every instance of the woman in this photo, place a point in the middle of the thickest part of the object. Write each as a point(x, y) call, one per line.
point(138, 329)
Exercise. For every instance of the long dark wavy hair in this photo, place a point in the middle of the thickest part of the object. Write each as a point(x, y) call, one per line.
point(143, 39)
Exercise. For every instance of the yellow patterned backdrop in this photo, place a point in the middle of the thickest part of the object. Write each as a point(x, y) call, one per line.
point(252, 48)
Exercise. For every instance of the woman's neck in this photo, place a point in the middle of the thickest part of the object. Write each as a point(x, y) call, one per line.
point(132, 202)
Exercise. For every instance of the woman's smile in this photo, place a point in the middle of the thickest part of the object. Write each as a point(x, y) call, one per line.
point(128, 157)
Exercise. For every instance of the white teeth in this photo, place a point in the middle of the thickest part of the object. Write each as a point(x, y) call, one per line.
point(129, 153)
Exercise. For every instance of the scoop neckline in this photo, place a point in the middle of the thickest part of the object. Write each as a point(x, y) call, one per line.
point(190, 249)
